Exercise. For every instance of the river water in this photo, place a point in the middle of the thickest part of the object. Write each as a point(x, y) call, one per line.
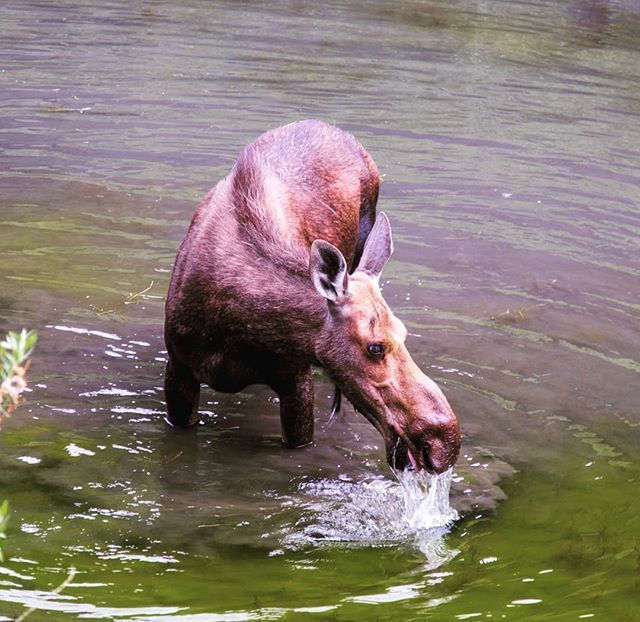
point(508, 138)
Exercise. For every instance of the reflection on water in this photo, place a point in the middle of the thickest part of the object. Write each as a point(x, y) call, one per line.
point(507, 135)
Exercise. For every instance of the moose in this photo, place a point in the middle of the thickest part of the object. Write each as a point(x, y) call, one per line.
point(279, 272)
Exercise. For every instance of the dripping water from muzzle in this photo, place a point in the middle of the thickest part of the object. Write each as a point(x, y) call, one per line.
point(426, 499)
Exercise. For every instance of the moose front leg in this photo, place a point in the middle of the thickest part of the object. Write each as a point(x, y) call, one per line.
point(296, 408)
point(182, 393)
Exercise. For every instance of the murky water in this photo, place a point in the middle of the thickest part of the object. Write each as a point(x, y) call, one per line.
point(507, 134)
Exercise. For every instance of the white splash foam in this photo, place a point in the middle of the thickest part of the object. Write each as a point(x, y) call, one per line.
point(426, 499)
point(75, 451)
point(414, 510)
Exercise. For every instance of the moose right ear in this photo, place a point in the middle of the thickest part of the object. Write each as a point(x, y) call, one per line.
point(377, 247)
point(328, 270)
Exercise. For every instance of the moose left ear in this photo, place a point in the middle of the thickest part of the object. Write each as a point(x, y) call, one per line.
point(328, 270)
point(377, 248)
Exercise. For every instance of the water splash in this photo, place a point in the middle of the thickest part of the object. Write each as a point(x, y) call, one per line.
point(429, 513)
point(426, 499)
point(413, 510)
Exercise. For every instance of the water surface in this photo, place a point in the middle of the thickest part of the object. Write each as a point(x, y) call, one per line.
point(507, 136)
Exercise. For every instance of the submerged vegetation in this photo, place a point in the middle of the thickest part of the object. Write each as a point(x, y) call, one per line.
point(15, 350)
point(514, 316)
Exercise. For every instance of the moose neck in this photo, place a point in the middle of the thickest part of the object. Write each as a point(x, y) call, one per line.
point(280, 304)
point(285, 312)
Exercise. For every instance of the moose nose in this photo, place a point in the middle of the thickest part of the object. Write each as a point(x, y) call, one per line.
point(440, 451)
point(439, 437)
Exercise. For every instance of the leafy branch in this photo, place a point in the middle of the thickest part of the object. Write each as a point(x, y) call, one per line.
point(15, 350)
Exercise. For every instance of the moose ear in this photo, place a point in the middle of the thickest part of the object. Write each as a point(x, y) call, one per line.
point(377, 248)
point(328, 270)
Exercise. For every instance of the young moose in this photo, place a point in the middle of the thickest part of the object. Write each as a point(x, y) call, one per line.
point(279, 271)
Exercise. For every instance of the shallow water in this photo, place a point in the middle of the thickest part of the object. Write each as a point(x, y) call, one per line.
point(507, 135)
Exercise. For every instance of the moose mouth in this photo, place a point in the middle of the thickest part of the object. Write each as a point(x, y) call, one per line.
point(432, 457)
point(434, 453)
point(400, 457)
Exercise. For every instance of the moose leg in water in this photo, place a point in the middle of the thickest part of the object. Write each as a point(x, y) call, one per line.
point(182, 392)
point(295, 392)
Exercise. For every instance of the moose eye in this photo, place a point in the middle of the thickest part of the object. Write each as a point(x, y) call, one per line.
point(376, 350)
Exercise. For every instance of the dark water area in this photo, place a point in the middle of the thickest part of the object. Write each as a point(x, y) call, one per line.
point(508, 139)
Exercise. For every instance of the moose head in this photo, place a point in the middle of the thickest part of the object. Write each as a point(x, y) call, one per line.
point(362, 347)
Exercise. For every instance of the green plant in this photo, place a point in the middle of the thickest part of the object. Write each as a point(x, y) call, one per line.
point(15, 350)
